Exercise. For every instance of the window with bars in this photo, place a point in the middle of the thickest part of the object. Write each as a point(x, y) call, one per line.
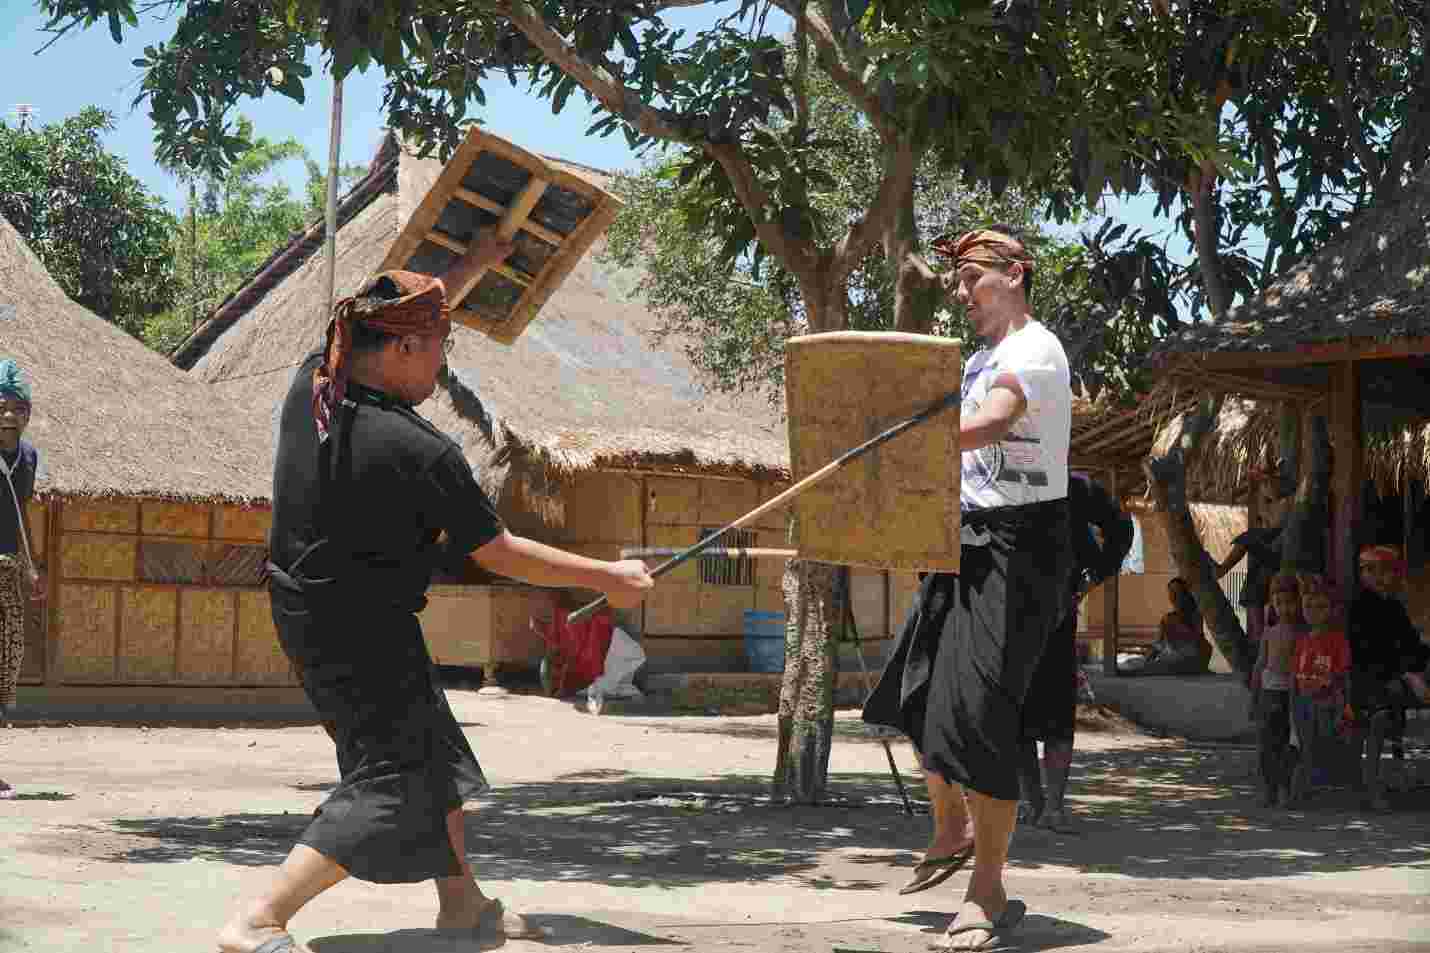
point(722, 570)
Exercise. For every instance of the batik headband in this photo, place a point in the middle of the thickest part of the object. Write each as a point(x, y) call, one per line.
point(984, 246)
point(420, 308)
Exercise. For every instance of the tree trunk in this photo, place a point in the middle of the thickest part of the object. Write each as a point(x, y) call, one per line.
point(1167, 477)
point(1303, 540)
point(811, 617)
point(1204, 215)
point(915, 297)
point(813, 610)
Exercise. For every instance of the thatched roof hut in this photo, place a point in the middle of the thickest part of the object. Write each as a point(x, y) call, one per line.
point(112, 418)
point(584, 388)
point(1362, 298)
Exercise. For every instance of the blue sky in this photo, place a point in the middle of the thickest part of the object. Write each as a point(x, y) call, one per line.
point(88, 68)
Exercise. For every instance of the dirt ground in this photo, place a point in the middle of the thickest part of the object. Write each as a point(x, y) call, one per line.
point(630, 832)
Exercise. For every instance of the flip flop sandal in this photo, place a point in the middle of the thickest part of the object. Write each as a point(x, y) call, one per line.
point(933, 871)
point(1011, 916)
point(282, 943)
point(513, 926)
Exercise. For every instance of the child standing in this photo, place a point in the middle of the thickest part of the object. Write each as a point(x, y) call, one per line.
point(1321, 667)
point(1274, 666)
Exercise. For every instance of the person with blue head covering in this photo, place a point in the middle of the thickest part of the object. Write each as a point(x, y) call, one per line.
point(18, 464)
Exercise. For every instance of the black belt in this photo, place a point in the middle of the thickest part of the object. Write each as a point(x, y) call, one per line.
point(1030, 477)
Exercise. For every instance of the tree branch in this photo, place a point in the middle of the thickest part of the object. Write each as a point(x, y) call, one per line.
point(1411, 139)
point(801, 77)
point(597, 81)
point(796, 255)
point(899, 166)
point(844, 67)
point(1339, 42)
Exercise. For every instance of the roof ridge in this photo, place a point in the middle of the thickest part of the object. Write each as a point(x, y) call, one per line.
point(381, 173)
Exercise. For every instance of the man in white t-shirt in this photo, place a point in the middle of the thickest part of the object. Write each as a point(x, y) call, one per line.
point(956, 681)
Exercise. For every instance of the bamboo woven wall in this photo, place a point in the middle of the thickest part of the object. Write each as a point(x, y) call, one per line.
point(147, 592)
point(696, 612)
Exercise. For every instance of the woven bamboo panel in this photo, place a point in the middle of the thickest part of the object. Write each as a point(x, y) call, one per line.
point(602, 506)
point(903, 591)
point(724, 501)
point(676, 537)
point(456, 625)
point(206, 635)
point(101, 516)
point(236, 565)
point(672, 608)
point(896, 507)
point(175, 519)
point(85, 640)
point(551, 215)
point(148, 627)
point(776, 519)
point(721, 610)
point(32, 665)
point(260, 658)
point(38, 523)
point(249, 524)
point(512, 609)
point(86, 556)
point(672, 500)
point(172, 562)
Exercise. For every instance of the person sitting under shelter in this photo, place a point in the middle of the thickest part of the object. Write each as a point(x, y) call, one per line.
point(1388, 661)
point(1181, 648)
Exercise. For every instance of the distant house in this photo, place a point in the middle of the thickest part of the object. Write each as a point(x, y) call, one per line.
point(150, 515)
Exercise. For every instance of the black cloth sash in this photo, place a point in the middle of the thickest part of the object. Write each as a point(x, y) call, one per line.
point(959, 673)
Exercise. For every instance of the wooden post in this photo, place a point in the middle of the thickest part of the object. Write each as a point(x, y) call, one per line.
point(335, 137)
point(1347, 474)
point(1110, 626)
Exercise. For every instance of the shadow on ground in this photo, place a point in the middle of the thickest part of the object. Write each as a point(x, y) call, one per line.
point(563, 931)
point(1159, 812)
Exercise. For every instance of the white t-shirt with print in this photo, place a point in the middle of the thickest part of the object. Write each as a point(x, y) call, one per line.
point(1030, 464)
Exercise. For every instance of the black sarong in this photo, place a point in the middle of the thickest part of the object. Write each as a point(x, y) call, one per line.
point(960, 671)
point(403, 761)
point(1050, 708)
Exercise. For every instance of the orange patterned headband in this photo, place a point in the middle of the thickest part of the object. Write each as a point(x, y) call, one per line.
point(1381, 554)
point(984, 246)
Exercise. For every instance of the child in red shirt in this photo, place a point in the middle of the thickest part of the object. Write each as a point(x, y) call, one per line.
point(1321, 668)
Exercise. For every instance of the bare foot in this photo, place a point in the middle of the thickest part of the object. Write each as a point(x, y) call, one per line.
point(241, 936)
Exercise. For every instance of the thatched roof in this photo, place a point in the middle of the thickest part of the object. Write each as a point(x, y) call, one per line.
point(584, 387)
point(111, 417)
point(1368, 285)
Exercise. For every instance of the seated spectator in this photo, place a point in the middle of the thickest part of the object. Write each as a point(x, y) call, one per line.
point(1181, 648)
point(1388, 662)
point(1321, 668)
point(1274, 665)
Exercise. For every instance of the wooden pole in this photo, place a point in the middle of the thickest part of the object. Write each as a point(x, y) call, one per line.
point(1347, 473)
point(335, 138)
point(952, 399)
point(1110, 593)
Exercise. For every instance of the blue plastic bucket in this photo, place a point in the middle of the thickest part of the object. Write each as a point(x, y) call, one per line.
point(765, 640)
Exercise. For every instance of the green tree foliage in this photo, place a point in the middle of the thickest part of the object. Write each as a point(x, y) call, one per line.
point(95, 227)
point(233, 224)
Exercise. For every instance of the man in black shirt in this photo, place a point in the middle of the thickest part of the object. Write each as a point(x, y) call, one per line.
point(1388, 661)
point(1102, 536)
point(368, 498)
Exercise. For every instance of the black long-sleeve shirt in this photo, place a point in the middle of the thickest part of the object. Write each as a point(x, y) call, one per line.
point(1383, 641)
point(1092, 506)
